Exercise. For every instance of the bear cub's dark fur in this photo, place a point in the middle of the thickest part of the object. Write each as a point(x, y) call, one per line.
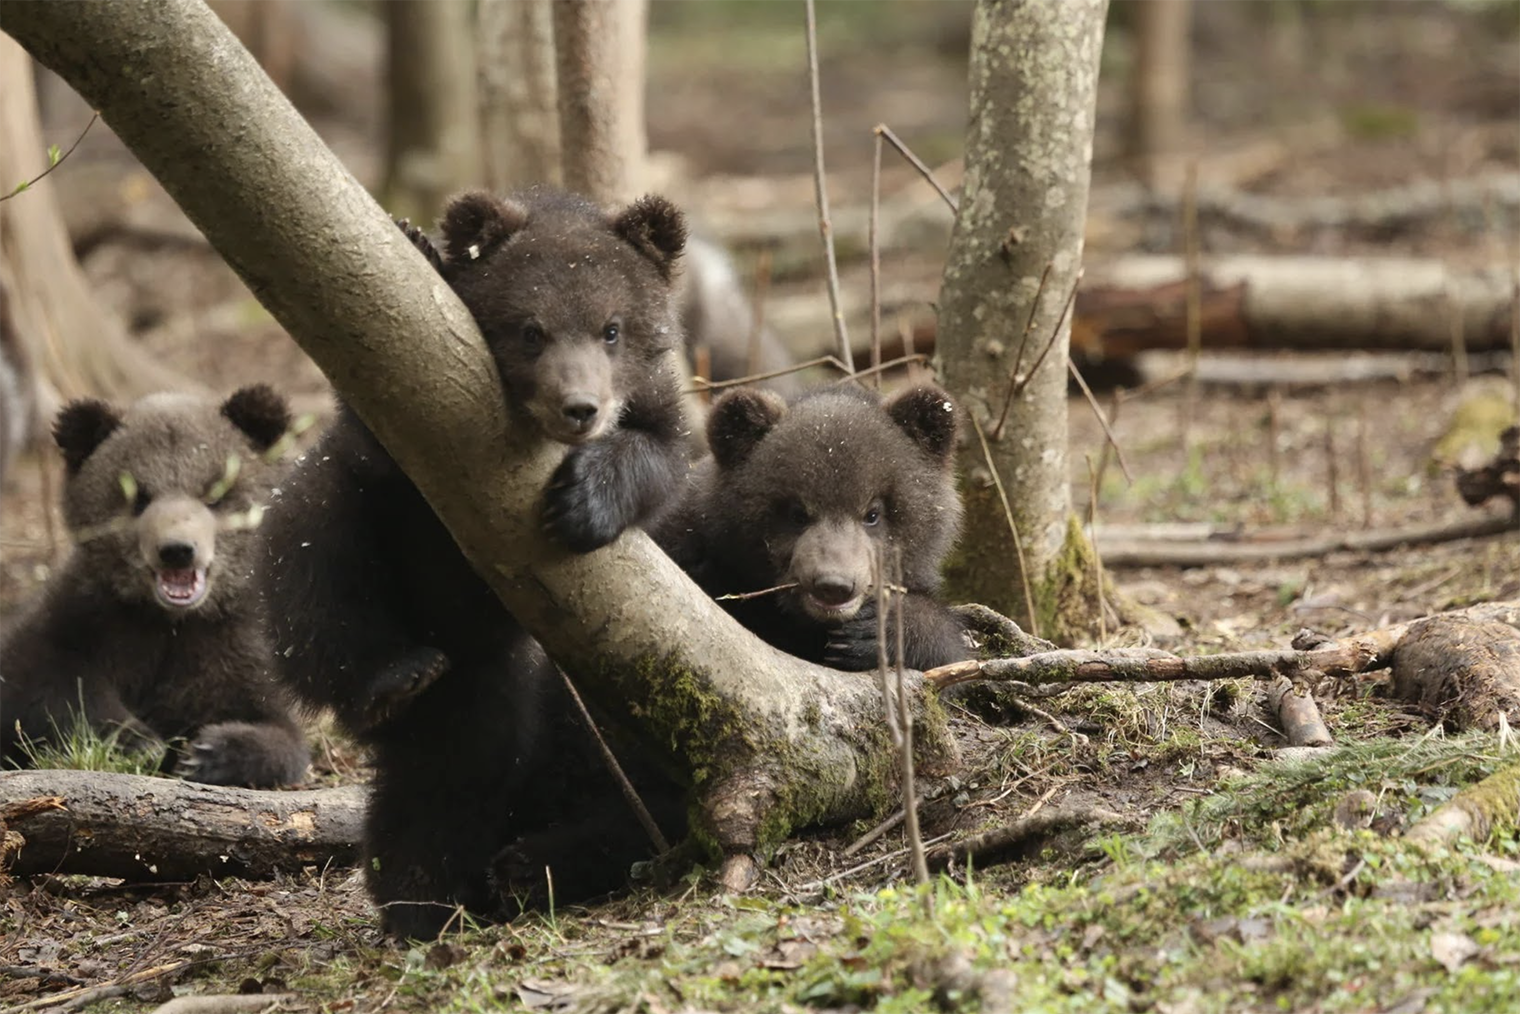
point(482, 771)
point(807, 493)
point(153, 629)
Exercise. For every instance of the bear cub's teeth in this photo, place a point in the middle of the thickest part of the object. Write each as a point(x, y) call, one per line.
point(181, 588)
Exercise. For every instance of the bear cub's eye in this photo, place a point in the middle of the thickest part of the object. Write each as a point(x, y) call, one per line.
point(533, 336)
point(795, 511)
point(140, 501)
point(872, 515)
point(611, 333)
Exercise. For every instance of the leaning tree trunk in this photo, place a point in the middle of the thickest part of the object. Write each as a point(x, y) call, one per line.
point(771, 742)
point(599, 47)
point(519, 98)
point(1034, 77)
point(75, 347)
point(431, 149)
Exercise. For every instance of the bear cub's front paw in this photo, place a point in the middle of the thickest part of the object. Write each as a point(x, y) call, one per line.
point(851, 646)
point(241, 753)
point(582, 506)
point(394, 688)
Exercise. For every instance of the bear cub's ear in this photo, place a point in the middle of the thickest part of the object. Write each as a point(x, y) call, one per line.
point(655, 228)
point(477, 222)
point(929, 417)
point(81, 427)
point(739, 421)
point(260, 413)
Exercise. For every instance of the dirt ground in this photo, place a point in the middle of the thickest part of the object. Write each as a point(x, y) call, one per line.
point(1341, 99)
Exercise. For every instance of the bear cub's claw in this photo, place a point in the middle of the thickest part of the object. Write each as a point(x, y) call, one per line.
point(852, 645)
point(581, 507)
point(238, 753)
point(394, 687)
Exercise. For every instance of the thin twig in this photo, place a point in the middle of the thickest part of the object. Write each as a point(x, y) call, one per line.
point(22, 188)
point(875, 833)
point(1191, 252)
point(629, 792)
point(757, 324)
point(1108, 432)
point(882, 130)
point(1456, 314)
point(825, 227)
point(1017, 384)
point(875, 245)
point(1018, 357)
point(1018, 544)
point(746, 596)
point(905, 722)
point(1092, 526)
point(703, 384)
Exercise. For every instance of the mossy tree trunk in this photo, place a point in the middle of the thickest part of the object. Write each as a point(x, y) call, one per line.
point(770, 742)
point(1034, 77)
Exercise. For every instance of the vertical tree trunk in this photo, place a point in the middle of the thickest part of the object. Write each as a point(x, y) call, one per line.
point(1034, 76)
point(1160, 93)
point(74, 347)
point(519, 97)
point(431, 150)
point(599, 47)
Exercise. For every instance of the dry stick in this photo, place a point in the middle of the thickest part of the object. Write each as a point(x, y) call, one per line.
point(825, 228)
point(629, 793)
point(1103, 421)
point(1274, 434)
point(1332, 472)
point(894, 698)
point(875, 245)
point(703, 368)
point(1036, 825)
point(701, 384)
point(882, 130)
point(1363, 464)
point(1049, 344)
point(1302, 723)
point(23, 187)
point(905, 722)
point(1115, 403)
point(1190, 251)
point(905, 332)
point(875, 833)
point(1018, 357)
point(1018, 543)
point(746, 596)
point(1092, 526)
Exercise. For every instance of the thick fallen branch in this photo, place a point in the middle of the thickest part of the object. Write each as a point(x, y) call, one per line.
point(1349, 656)
point(1475, 812)
point(776, 743)
point(1215, 549)
point(1294, 706)
point(141, 828)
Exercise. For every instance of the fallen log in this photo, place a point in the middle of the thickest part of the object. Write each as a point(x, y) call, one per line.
point(163, 829)
point(1461, 671)
point(1475, 812)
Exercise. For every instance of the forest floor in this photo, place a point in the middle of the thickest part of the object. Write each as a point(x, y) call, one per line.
point(1221, 881)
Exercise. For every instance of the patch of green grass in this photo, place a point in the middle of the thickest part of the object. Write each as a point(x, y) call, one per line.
point(80, 746)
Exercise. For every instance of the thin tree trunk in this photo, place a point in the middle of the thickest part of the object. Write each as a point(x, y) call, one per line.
point(1160, 90)
point(75, 347)
point(431, 149)
point(599, 46)
point(1034, 76)
point(519, 112)
point(771, 742)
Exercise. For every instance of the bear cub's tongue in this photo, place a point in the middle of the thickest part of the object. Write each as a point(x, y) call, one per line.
point(181, 586)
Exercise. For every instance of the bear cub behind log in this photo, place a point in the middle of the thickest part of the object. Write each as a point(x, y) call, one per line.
point(806, 495)
point(153, 628)
point(482, 771)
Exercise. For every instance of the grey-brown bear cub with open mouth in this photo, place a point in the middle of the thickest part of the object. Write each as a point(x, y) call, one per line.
point(153, 628)
point(805, 494)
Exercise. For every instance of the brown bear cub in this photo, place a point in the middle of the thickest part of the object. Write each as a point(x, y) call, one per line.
point(154, 628)
point(483, 773)
point(806, 495)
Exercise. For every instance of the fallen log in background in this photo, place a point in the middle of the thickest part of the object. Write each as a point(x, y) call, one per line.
point(163, 829)
point(1475, 812)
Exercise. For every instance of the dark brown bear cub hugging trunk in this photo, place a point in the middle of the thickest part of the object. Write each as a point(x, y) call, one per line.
point(807, 499)
point(484, 775)
point(153, 630)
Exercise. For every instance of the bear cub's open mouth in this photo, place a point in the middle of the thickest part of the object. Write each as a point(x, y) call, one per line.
point(181, 587)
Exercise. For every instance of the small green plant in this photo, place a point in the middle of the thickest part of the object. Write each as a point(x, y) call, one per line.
point(80, 746)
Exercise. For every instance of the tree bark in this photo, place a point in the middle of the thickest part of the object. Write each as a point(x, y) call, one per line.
point(771, 742)
point(1034, 76)
point(75, 348)
point(599, 47)
point(1160, 90)
point(157, 829)
point(431, 148)
point(519, 112)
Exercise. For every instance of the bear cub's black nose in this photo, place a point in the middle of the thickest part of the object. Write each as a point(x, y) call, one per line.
point(833, 591)
point(176, 555)
point(580, 410)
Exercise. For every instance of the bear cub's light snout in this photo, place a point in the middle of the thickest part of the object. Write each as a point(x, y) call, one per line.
point(177, 538)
